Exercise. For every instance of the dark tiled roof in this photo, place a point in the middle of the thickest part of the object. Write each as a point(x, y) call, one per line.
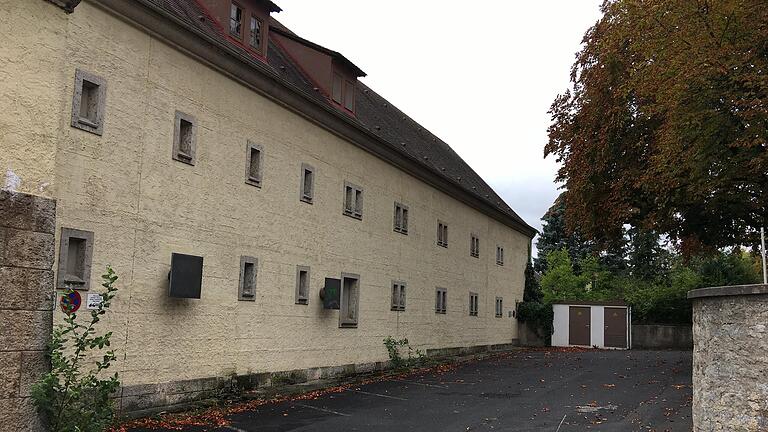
point(374, 113)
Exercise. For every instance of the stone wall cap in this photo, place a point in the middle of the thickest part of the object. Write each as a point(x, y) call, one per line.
point(733, 290)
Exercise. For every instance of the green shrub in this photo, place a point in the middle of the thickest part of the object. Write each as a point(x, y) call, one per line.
point(72, 397)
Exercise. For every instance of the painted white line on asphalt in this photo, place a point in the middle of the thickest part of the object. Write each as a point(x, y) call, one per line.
point(423, 384)
point(379, 395)
point(323, 410)
point(232, 428)
point(561, 423)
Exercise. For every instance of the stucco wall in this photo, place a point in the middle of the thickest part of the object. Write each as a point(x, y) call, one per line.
point(730, 366)
point(142, 206)
point(31, 100)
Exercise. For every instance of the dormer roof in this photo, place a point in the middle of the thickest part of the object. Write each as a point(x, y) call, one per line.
point(337, 56)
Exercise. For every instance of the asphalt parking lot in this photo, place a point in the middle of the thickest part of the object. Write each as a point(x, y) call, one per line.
point(525, 390)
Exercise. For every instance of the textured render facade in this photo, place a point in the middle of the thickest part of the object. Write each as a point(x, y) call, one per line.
point(730, 366)
point(141, 204)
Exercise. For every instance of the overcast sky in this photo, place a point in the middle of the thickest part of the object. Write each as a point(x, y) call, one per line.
point(481, 75)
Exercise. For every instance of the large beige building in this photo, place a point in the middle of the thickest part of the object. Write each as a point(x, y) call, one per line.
point(131, 131)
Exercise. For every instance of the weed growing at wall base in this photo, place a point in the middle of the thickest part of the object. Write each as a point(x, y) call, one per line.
point(415, 357)
point(72, 397)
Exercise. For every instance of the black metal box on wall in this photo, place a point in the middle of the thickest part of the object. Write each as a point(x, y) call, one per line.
point(186, 276)
point(331, 294)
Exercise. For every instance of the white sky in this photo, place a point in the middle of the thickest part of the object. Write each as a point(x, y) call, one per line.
point(479, 74)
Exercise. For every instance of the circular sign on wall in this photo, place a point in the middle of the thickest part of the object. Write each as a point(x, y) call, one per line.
point(70, 302)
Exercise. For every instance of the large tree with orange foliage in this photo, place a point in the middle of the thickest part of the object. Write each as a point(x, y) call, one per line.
point(665, 125)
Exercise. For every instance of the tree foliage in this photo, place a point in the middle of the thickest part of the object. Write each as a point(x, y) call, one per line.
point(666, 123)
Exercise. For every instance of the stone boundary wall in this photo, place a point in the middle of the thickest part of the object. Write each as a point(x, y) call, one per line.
point(730, 358)
point(528, 337)
point(147, 399)
point(27, 226)
point(661, 336)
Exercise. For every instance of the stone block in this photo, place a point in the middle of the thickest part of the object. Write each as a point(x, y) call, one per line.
point(27, 212)
point(33, 365)
point(25, 330)
point(19, 414)
point(26, 249)
point(10, 370)
point(28, 289)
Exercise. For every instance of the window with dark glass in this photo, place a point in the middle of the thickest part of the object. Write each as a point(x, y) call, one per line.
point(398, 296)
point(441, 300)
point(256, 33)
point(235, 20)
point(474, 246)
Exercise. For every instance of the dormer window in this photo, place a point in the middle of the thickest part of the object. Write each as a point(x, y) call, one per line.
point(349, 95)
point(236, 21)
point(343, 92)
point(256, 36)
point(338, 83)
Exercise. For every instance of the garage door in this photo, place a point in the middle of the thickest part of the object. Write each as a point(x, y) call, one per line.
point(578, 326)
point(616, 327)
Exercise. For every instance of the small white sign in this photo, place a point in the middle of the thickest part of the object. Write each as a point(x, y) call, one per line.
point(93, 301)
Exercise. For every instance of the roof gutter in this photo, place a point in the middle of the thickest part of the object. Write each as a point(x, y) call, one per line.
point(262, 79)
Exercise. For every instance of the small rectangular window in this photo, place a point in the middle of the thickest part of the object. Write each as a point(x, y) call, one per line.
point(499, 255)
point(442, 234)
point(474, 246)
point(236, 21)
point(473, 304)
point(401, 218)
point(184, 138)
point(441, 300)
point(247, 283)
point(398, 296)
point(337, 90)
point(75, 254)
point(88, 102)
point(253, 164)
point(307, 183)
point(302, 285)
point(256, 37)
point(349, 95)
point(353, 200)
point(499, 307)
point(350, 295)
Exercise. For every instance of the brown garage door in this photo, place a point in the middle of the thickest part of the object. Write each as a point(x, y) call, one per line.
point(616, 327)
point(578, 326)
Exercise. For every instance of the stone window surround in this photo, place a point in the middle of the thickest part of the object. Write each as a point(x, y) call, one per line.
point(61, 281)
point(474, 246)
point(357, 211)
point(499, 309)
point(473, 303)
point(241, 294)
point(256, 180)
point(442, 233)
point(441, 301)
point(177, 154)
point(402, 228)
point(303, 195)
point(398, 295)
point(499, 255)
point(97, 126)
point(344, 307)
point(302, 300)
